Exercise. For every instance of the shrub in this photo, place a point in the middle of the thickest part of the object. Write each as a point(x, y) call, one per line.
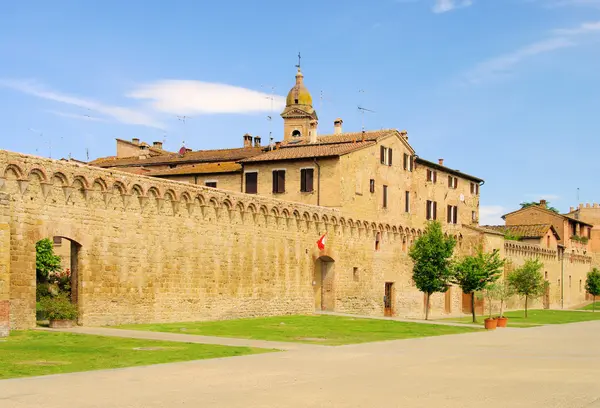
point(59, 308)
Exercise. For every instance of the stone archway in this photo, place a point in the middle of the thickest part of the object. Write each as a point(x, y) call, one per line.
point(66, 278)
point(324, 283)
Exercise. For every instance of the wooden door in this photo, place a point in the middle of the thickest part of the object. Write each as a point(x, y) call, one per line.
point(388, 309)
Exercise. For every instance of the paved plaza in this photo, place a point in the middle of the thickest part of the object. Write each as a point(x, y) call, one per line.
point(549, 366)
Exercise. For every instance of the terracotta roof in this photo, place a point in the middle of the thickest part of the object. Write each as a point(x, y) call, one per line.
point(308, 151)
point(371, 135)
point(447, 170)
point(201, 168)
point(524, 231)
point(538, 208)
point(199, 156)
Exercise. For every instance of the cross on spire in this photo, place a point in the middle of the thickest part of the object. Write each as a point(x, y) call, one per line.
point(299, 60)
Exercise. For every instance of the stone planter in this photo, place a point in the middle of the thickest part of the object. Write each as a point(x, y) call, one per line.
point(490, 324)
point(61, 324)
point(502, 321)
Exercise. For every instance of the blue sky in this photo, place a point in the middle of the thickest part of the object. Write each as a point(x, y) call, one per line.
point(507, 90)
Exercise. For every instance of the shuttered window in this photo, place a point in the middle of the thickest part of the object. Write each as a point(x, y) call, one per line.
point(372, 185)
point(306, 180)
point(431, 175)
point(407, 201)
point(385, 196)
point(405, 162)
point(278, 181)
point(382, 154)
point(431, 212)
point(452, 216)
point(389, 157)
point(251, 183)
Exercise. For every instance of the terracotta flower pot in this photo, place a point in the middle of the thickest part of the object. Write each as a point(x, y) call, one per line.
point(502, 321)
point(490, 324)
point(61, 324)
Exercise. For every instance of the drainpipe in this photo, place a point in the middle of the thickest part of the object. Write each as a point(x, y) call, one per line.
point(318, 181)
point(562, 279)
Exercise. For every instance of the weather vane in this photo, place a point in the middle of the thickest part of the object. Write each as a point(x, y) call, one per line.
point(299, 59)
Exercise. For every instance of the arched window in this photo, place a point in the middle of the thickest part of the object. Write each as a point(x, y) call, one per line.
point(296, 133)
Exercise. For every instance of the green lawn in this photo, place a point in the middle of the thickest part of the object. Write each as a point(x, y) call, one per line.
point(326, 330)
point(537, 317)
point(590, 307)
point(28, 353)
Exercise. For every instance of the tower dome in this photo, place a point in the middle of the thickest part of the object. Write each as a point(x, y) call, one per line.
point(299, 95)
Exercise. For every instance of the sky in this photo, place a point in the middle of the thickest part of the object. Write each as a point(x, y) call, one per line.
point(506, 90)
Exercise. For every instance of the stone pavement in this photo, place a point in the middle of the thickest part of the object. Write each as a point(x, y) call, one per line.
point(554, 366)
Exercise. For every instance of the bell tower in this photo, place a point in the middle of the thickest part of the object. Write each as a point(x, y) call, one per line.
point(299, 118)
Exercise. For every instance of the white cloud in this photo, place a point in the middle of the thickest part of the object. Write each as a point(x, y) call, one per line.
point(491, 215)
point(121, 114)
point(186, 97)
point(75, 116)
point(503, 64)
point(584, 28)
point(564, 3)
point(443, 6)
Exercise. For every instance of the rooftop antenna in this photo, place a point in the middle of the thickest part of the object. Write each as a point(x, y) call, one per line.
point(362, 111)
point(183, 119)
point(87, 154)
point(270, 117)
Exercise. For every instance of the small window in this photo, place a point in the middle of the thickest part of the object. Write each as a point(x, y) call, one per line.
point(452, 214)
point(407, 162)
point(306, 180)
point(431, 175)
point(431, 210)
point(212, 184)
point(452, 182)
point(355, 274)
point(475, 188)
point(474, 216)
point(385, 155)
point(378, 241)
point(372, 185)
point(580, 285)
point(385, 196)
point(407, 201)
point(278, 181)
point(569, 281)
point(251, 183)
point(546, 275)
point(548, 241)
point(296, 133)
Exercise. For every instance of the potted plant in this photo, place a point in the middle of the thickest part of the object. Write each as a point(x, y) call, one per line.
point(503, 292)
point(490, 293)
point(60, 311)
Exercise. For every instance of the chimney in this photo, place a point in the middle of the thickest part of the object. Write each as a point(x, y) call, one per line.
point(135, 140)
point(247, 140)
point(157, 145)
point(257, 141)
point(587, 205)
point(543, 203)
point(337, 126)
point(571, 209)
point(580, 205)
point(277, 145)
point(441, 162)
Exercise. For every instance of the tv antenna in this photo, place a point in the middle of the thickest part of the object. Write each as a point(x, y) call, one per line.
point(362, 113)
point(271, 97)
point(184, 120)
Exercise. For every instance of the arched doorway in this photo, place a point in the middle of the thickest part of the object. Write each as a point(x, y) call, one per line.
point(57, 269)
point(323, 284)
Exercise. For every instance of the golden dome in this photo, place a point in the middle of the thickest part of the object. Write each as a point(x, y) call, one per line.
point(299, 95)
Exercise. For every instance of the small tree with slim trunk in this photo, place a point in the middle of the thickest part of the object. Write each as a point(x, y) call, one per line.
point(528, 281)
point(592, 285)
point(475, 272)
point(431, 254)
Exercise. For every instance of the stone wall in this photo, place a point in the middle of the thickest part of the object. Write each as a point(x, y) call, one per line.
point(156, 250)
point(4, 269)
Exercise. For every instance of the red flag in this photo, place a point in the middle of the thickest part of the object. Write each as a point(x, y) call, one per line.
point(321, 242)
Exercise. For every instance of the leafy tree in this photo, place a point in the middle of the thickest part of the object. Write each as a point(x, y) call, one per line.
point(474, 272)
point(46, 261)
point(537, 203)
point(592, 285)
point(431, 254)
point(528, 281)
point(503, 292)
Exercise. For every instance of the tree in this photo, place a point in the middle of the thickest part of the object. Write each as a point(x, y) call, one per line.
point(528, 281)
point(431, 254)
point(592, 285)
point(474, 273)
point(46, 261)
point(536, 203)
point(502, 293)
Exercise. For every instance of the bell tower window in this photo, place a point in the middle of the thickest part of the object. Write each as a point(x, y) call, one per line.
point(296, 133)
point(296, 101)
